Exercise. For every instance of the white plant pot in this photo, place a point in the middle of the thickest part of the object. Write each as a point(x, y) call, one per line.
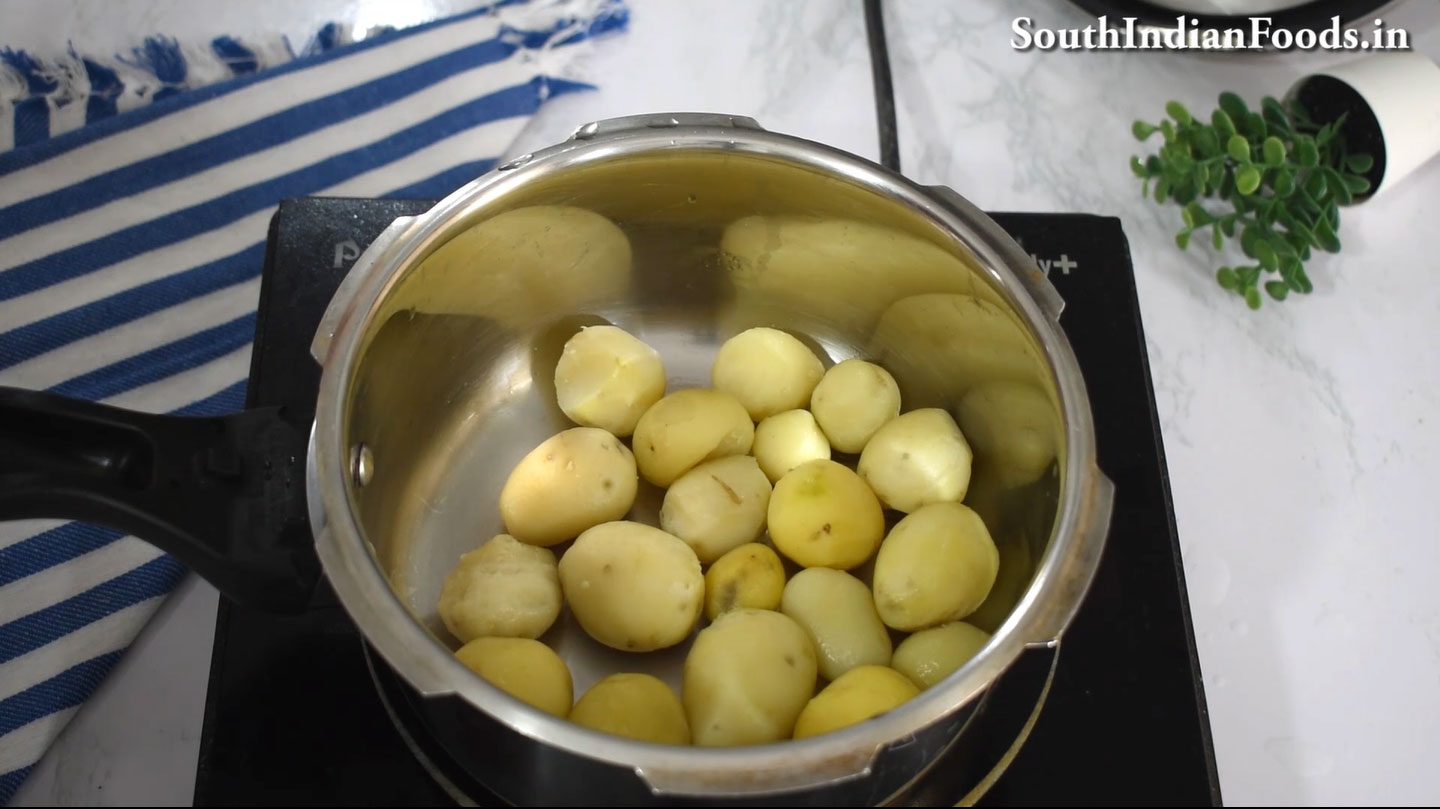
point(1394, 103)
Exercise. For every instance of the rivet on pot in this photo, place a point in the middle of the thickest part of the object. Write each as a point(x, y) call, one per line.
point(362, 464)
point(517, 162)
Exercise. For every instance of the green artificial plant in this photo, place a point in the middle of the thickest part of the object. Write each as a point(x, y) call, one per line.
point(1275, 178)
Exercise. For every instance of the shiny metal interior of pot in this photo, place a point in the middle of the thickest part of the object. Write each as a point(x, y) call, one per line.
point(683, 248)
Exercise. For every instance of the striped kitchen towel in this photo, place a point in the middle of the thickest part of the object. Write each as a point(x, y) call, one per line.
point(130, 255)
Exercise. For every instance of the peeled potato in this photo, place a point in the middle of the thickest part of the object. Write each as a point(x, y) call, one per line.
point(859, 694)
point(747, 678)
point(574, 480)
point(1013, 428)
point(768, 370)
point(823, 515)
point(837, 612)
point(786, 440)
point(526, 669)
point(852, 401)
point(750, 576)
point(688, 427)
point(522, 266)
point(636, 706)
point(607, 378)
point(931, 655)
point(937, 565)
point(717, 506)
point(916, 459)
point(504, 588)
point(632, 587)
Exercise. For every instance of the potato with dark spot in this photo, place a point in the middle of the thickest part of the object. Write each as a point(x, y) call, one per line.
point(823, 515)
point(750, 576)
point(717, 506)
point(687, 428)
point(632, 587)
point(937, 565)
point(574, 480)
point(747, 678)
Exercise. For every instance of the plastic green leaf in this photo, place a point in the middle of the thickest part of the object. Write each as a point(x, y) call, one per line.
point(1249, 237)
point(1182, 239)
point(1177, 111)
point(1223, 123)
point(1233, 105)
point(1306, 153)
point(1238, 148)
point(1359, 163)
point(1142, 130)
point(1357, 185)
point(1284, 184)
point(1217, 238)
point(1274, 151)
point(1325, 237)
point(1277, 289)
point(1266, 255)
point(1227, 278)
point(1252, 297)
point(1247, 180)
point(1138, 167)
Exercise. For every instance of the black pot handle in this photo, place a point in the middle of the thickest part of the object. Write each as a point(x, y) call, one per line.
point(224, 495)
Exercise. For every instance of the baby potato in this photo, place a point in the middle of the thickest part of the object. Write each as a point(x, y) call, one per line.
point(786, 440)
point(917, 458)
point(768, 370)
point(1013, 426)
point(524, 668)
point(608, 378)
point(688, 427)
point(937, 565)
point(636, 706)
point(746, 679)
point(574, 480)
point(838, 613)
point(823, 515)
point(748, 576)
point(632, 587)
point(852, 401)
point(859, 694)
point(504, 588)
point(931, 655)
point(717, 506)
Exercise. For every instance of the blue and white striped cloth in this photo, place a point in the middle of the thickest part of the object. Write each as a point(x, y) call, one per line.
point(130, 254)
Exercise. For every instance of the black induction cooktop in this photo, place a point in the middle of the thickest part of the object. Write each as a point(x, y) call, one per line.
point(294, 714)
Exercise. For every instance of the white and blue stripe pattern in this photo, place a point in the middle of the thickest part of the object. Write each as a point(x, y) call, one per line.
point(130, 254)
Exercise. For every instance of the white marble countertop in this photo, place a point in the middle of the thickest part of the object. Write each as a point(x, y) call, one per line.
point(1302, 440)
